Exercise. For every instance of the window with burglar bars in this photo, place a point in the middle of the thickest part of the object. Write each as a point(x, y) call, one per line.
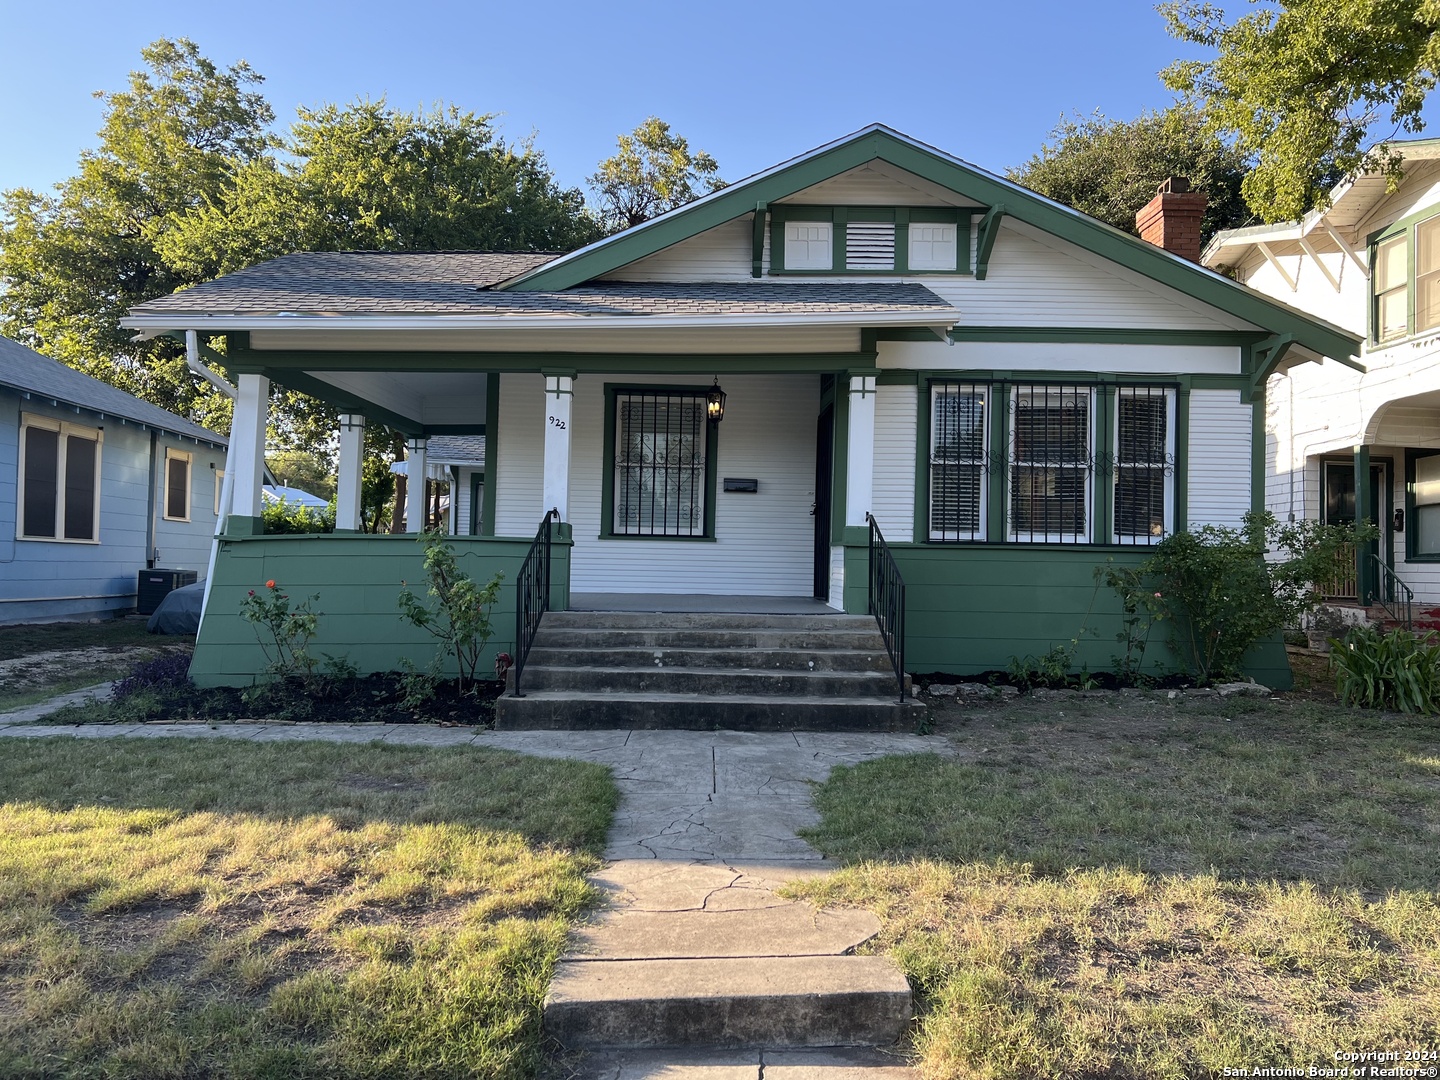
point(1144, 462)
point(1051, 463)
point(958, 461)
point(659, 463)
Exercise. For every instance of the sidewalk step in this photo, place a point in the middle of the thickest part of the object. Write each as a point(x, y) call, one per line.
point(728, 681)
point(652, 620)
point(745, 657)
point(751, 1063)
point(753, 1001)
point(785, 929)
point(583, 710)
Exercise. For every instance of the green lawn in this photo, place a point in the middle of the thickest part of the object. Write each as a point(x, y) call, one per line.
point(190, 908)
point(1143, 889)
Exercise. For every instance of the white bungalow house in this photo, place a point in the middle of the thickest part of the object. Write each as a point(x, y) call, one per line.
point(1013, 392)
point(96, 487)
point(1339, 439)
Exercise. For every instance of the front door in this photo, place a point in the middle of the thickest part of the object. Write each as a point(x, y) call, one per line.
point(824, 459)
point(1338, 508)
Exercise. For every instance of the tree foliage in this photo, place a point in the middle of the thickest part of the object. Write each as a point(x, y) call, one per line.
point(653, 171)
point(73, 262)
point(1110, 169)
point(187, 183)
point(1301, 83)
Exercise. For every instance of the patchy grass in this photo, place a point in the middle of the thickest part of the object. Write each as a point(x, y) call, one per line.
point(42, 660)
point(1136, 888)
point(186, 908)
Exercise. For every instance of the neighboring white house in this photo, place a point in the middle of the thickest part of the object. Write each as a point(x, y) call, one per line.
point(95, 486)
point(1338, 439)
point(1015, 392)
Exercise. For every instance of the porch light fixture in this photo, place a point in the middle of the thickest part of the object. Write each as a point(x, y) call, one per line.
point(715, 403)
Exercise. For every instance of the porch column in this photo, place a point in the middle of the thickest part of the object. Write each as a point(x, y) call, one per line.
point(559, 392)
point(1365, 573)
point(860, 450)
point(415, 485)
point(246, 458)
point(352, 459)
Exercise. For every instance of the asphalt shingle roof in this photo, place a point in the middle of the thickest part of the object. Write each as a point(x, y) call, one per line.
point(456, 448)
point(24, 369)
point(390, 283)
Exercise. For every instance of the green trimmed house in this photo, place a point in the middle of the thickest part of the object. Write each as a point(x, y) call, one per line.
point(1014, 392)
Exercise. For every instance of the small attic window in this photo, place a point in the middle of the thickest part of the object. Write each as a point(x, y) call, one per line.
point(932, 245)
point(809, 245)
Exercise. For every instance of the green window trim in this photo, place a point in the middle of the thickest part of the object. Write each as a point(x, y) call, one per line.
point(1405, 230)
point(1412, 530)
point(1001, 387)
point(839, 219)
point(607, 478)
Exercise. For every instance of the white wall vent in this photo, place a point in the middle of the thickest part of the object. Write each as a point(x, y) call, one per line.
point(870, 245)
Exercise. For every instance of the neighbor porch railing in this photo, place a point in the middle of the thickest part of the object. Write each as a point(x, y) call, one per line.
point(887, 602)
point(533, 583)
point(1392, 594)
point(1343, 580)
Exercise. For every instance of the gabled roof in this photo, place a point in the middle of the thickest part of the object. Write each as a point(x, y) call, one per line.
point(29, 372)
point(456, 449)
point(999, 194)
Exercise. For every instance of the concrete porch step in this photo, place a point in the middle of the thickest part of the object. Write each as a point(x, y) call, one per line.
point(735, 1001)
point(581, 710)
point(729, 681)
point(863, 638)
point(744, 658)
point(708, 620)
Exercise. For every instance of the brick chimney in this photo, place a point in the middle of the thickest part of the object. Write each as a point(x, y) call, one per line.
point(1171, 219)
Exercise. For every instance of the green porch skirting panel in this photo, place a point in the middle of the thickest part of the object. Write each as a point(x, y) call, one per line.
point(357, 578)
point(973, 608)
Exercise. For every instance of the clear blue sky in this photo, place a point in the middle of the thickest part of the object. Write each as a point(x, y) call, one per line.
point(751, 82)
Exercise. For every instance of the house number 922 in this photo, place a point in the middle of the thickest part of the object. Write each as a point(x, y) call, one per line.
point(557, 422)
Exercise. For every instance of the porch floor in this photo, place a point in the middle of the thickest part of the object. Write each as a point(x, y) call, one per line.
point(683, 602)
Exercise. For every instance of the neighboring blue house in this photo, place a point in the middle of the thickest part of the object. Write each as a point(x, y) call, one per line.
point(95, 486)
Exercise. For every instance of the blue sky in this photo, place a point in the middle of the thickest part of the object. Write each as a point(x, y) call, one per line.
point(751, 82)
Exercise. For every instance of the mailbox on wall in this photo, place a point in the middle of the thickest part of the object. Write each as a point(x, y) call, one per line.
point(742, 485)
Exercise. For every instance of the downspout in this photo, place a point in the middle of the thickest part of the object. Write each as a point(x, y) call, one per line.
point(150, 501)
point(227, 485)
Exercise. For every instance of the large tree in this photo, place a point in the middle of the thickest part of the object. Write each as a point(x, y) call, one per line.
point(652, 171)
point(1109, 169)
point(1302, 84)
point(72, 262)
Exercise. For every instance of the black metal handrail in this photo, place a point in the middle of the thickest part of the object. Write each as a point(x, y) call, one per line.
point(533, 585)
point(1392, 594)
point(887, 601)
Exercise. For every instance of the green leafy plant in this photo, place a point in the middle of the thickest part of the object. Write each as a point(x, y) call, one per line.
point(1224, 589)
point(1141, 609)
point(287, 518)
point(1398, 670)
point(458, 612)
point(285, 631)
point(1053, 670)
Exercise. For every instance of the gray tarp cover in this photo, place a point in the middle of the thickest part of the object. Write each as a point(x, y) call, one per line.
point(179, 612)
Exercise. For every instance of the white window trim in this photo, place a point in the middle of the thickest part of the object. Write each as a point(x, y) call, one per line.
point(1406, 284)
point(219, 487)
point(65, 429)
point(828, 264)
point(171, 454)
point(986, 394)
point(1015, 536)
point(1169, 475)
point(922, 266)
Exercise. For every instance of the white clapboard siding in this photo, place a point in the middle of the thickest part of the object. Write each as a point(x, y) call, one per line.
point(877, 183)
point(463, 499)
point(1219, 458)
point(764, 543)
point(892, 499)
point(520, 464)
point(723, 253)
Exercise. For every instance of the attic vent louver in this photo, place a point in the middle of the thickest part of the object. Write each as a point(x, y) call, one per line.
point(870, 245)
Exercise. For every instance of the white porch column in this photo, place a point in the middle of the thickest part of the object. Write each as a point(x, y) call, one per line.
point(352, 459)
point(246, 458)
point(860, 450)
point(559, 392)
point(415, 485)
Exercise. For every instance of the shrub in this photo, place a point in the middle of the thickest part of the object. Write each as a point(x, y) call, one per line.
point(458, 615)
point(1399, 670)
point(286, 518)
point(284, 632)
point(168, 672)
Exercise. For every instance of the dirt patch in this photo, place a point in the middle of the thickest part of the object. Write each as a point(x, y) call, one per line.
point(41, 669)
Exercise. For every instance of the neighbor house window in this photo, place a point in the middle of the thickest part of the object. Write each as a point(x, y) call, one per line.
point(1143, 460)
point(219, 489)
point(1427, 275)
point(1392, 292)
point(661, 480)
point(59, 495)
point(177, 484)
point(1425, 506)
point(957, 461)
point(1050, 463)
